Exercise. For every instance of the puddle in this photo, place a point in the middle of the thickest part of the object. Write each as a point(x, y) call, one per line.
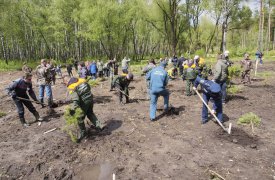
point(99, 172)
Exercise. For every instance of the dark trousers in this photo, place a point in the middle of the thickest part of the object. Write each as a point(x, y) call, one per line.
point(217, 106)
point(20, 107)
point(123, 92)
point(70, 73)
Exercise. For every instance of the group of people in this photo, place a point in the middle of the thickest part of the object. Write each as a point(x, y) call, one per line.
point(194, 71)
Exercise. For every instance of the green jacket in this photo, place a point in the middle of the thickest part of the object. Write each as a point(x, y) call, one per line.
point(81, 95)
point(221, 71)
point(189, 72)
point(121, 80)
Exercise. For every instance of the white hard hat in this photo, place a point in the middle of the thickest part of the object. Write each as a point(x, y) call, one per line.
point(226, 52)
point(196, 57)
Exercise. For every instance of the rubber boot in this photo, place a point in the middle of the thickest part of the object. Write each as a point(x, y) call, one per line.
point(37, 117)
point(82, 132)
point(23, 122)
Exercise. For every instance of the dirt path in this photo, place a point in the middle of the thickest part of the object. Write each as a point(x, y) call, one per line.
point(132, 147)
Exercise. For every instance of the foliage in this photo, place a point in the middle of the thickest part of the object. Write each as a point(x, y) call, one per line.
point(93, 83)
point(266, 74)
point(78, 29)
point(234, 71)
point(234, 89)
point(2, 114)
point(249, 118)
point(71, 127)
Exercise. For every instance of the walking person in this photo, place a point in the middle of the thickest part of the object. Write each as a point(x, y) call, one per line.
point(158, 78)
point(246, 65)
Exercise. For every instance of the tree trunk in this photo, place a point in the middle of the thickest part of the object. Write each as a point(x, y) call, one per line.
point(4, 49)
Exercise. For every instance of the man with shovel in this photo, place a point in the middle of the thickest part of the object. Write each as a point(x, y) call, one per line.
point(121, 83)
point(210, 90)
point(18, 91)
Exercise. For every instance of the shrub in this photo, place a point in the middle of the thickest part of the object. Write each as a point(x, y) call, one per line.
point(234, 89)
point(71, 127)
point(93, 83)
point(250, 119)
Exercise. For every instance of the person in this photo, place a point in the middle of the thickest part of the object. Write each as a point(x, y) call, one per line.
point(80, 92)
point(82, 71)
point(189, 74)
point(69, 69)
point(180, 64)
point(18, 89)
point(112, 64)
point(246, 65)
point(26, 68)
point(125, 65)
point(44, 79)
point(221, 75)
point(226, 57)
point(259, 56)
point(106, 69)
point(212, 90)
point(175, 63)
point(100, 68)
point(52, 69)
point(158, 78)
point(151, 65)
point(93, 70)
point(58, 70)
point(201, 67)
point(121, 83)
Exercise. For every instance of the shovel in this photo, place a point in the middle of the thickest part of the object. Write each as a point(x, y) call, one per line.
point(228, 130)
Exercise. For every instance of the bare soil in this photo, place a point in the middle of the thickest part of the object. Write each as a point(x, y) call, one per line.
point(174, 147)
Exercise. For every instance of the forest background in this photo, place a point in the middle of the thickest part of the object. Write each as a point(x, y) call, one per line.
point(64, 30)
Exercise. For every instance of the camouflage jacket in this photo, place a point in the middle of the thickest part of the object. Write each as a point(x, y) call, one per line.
point(44, 76)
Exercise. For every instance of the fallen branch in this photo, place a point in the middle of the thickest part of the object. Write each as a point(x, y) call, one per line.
point(51, 130)
point(216, 174)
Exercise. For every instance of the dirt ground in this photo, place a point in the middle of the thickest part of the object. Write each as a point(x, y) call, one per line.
point(132, 147)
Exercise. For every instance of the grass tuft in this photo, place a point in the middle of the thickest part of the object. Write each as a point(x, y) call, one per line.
point(249, 118)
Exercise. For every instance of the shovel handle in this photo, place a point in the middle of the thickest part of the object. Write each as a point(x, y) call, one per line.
point(210, 110)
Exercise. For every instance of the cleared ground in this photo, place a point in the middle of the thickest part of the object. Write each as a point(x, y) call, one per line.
point(132, 147)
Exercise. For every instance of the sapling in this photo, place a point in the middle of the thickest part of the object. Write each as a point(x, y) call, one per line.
point(251, 119)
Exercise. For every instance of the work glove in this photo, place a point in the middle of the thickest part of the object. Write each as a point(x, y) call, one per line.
point(194, 88)
point(72, 112)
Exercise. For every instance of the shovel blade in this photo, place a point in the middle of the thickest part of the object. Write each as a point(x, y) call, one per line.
point(229, 128)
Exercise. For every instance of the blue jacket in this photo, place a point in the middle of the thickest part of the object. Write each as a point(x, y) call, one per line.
point(158, 78)
point(93, 68)
point(209, 87)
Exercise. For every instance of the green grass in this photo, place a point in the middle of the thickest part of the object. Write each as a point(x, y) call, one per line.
point(266, 74)
point(93, 83)
point(234, 89)
point(249, 118)
point(2, 114)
